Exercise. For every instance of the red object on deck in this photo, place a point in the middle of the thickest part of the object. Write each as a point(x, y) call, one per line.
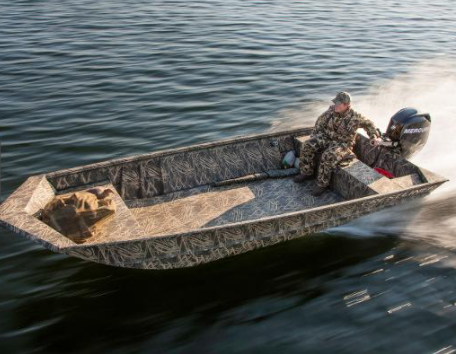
point(383, 172)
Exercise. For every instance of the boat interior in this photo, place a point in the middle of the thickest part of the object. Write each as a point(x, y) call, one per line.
point(216, 184)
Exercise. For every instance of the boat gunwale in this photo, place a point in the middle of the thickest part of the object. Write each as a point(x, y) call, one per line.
point(173, 151)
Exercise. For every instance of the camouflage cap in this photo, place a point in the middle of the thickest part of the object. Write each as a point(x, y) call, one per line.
point(342, 97)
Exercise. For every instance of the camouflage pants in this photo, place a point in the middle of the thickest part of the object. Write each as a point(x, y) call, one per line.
point(331, 154)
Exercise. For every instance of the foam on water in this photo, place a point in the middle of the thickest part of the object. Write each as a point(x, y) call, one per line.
point(428, 86)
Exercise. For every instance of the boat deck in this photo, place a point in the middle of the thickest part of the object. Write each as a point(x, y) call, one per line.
point(208, 206)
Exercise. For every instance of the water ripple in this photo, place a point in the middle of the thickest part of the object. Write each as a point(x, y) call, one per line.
point(85, 81)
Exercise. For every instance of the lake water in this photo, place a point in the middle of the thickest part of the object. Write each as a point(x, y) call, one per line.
point(86, 81)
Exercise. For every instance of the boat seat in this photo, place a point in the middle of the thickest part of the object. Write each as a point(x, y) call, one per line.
point(357, 180)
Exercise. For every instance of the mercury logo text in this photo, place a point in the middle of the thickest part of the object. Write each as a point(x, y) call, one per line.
point(416, 130)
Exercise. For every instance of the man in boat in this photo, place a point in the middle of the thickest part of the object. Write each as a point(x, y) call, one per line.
point(334, 137)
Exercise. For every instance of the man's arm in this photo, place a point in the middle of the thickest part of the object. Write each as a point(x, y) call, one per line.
point(368, 126)
point(320, 123)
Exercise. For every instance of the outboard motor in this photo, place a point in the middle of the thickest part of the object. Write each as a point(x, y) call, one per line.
point(408, 131)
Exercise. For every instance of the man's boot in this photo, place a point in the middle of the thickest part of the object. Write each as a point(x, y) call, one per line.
point(317, 191)
point(302, 178)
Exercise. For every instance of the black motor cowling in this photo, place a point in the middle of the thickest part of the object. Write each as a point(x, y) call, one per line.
point(408, 130)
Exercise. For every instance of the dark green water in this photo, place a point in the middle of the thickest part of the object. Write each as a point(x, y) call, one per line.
point(84, 81)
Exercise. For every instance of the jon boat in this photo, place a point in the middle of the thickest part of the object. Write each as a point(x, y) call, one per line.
point(193, 205)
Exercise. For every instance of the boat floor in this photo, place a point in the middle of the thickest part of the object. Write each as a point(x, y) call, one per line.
point(215, 206)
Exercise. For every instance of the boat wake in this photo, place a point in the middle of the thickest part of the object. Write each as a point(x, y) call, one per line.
point(429, 86)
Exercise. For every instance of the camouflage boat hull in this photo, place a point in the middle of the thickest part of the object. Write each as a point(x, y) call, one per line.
point(194, 205)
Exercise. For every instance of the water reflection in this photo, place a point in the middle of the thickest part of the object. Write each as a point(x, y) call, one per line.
point(82, 303)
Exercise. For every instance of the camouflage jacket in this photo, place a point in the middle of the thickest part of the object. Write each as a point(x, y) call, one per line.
point(341, 128)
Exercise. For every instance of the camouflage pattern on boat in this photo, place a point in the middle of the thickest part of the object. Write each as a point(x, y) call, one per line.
point(193, 205)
